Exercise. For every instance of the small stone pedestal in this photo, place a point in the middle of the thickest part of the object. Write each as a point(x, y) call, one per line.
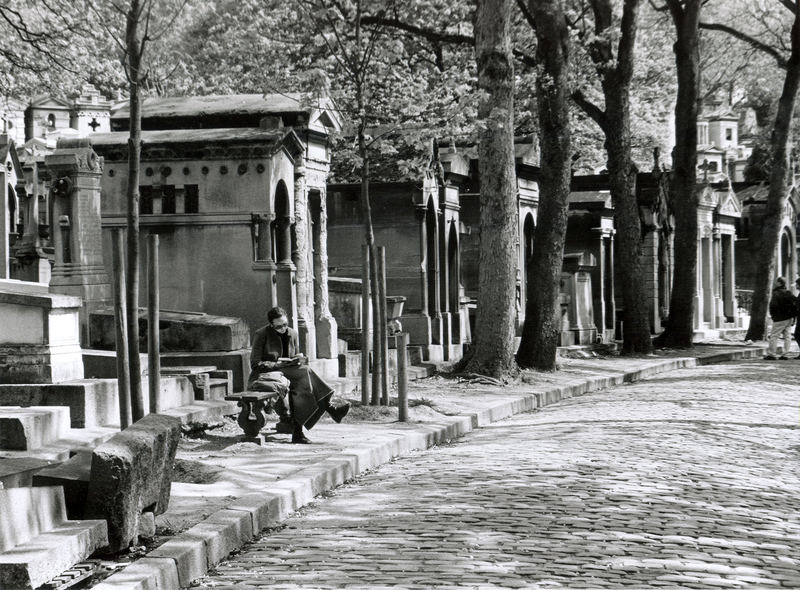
point(251, 417)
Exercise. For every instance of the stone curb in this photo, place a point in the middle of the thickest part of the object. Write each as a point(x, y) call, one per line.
point(191, 554)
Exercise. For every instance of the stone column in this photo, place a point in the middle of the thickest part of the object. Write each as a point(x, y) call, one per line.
point(301, 257)
point(325, 324)
point(5, 227)
point(608, 287)
point(264, 262)
point(598, 250)
point(33, 263)
point(79, 271)
point(716, 277)
point(729, 294)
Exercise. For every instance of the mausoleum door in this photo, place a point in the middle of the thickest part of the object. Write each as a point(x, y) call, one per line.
point(453, 270)
point(431, 259)
point(528, 229)
point(785, 259)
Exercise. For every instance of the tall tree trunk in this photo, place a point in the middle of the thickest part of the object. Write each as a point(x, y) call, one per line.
point(134, 51)
point(493, 353)
point(622, 179)
point(778, 189)
point(683, 189)
point(542, 327)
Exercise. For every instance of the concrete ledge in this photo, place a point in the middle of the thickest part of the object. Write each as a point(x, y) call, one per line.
point(187, 553)
point(148, 573)
point(220, 539)
point(208, 543)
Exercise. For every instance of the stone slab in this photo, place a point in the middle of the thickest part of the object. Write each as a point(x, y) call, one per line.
point(236, 361)
point(31, 564)
point(130, 473)
point(29, 428)
point(102, 364)
point(179, 331)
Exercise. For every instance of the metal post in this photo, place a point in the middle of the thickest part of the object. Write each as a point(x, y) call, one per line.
point(401, 341)
point(381, 325)
point(121, 331)
point(365, 323)
point(153, 316)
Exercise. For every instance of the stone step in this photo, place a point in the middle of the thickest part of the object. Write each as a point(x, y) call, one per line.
point(31, 564)
point(37, 542)
point(32, 427)
point(75, 440)
point(219, 388)
point(18, 473)
point(72, 475)
point(93, 402)
point(178, 370)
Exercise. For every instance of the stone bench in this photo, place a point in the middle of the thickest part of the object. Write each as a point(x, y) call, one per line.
point(122, 480)
point(254, 405)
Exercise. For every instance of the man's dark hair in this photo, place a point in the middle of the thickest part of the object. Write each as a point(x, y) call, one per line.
point(275, 313)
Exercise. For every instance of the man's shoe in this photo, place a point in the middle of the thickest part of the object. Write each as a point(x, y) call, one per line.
point(769, 357)
point(339, 413)
point(783, 357)
point(300, 439)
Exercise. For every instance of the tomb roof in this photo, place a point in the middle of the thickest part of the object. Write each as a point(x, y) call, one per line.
point(221, 104)
point(599, 196)
point(170, 136)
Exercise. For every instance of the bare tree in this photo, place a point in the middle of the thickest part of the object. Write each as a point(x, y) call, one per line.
point(779, 176)
point(615, 69)
point(540, 334)
point(140, 18)
point(679, 331)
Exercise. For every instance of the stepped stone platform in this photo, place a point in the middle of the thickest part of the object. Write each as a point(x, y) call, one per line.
point(92, 402)
point(37, 542)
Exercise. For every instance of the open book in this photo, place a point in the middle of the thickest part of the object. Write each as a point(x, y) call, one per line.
point(288, 362)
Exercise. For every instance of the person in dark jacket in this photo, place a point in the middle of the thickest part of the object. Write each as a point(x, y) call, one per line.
point(782, 310)
point(797, 314)
point(275, 348)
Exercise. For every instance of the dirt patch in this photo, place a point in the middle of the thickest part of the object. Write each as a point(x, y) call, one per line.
point(185, 471)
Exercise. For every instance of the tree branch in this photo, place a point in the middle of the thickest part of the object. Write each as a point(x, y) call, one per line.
point(744, 37)
point(592, 110)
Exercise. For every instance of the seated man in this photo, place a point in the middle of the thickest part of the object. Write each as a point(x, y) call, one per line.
point(275, 349)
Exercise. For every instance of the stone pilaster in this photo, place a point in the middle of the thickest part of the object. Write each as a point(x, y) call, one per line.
point(75, 170)
point(327, 335)
point(302, 259)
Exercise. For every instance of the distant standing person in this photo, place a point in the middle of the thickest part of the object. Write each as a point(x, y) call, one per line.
point(797, 313)
point(275, 349)
point(782, 309)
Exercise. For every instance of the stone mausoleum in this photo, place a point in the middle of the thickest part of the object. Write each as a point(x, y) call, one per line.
point(235, 188)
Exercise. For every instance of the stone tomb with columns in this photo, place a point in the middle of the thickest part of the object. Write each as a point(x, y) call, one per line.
point(753, 201)
point(421, 230)
point(235, 187)
point(715, 294)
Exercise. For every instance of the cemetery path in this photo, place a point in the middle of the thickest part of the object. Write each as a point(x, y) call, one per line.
point(687, 480)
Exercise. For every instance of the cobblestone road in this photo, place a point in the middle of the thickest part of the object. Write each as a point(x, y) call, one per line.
point(685, 481)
